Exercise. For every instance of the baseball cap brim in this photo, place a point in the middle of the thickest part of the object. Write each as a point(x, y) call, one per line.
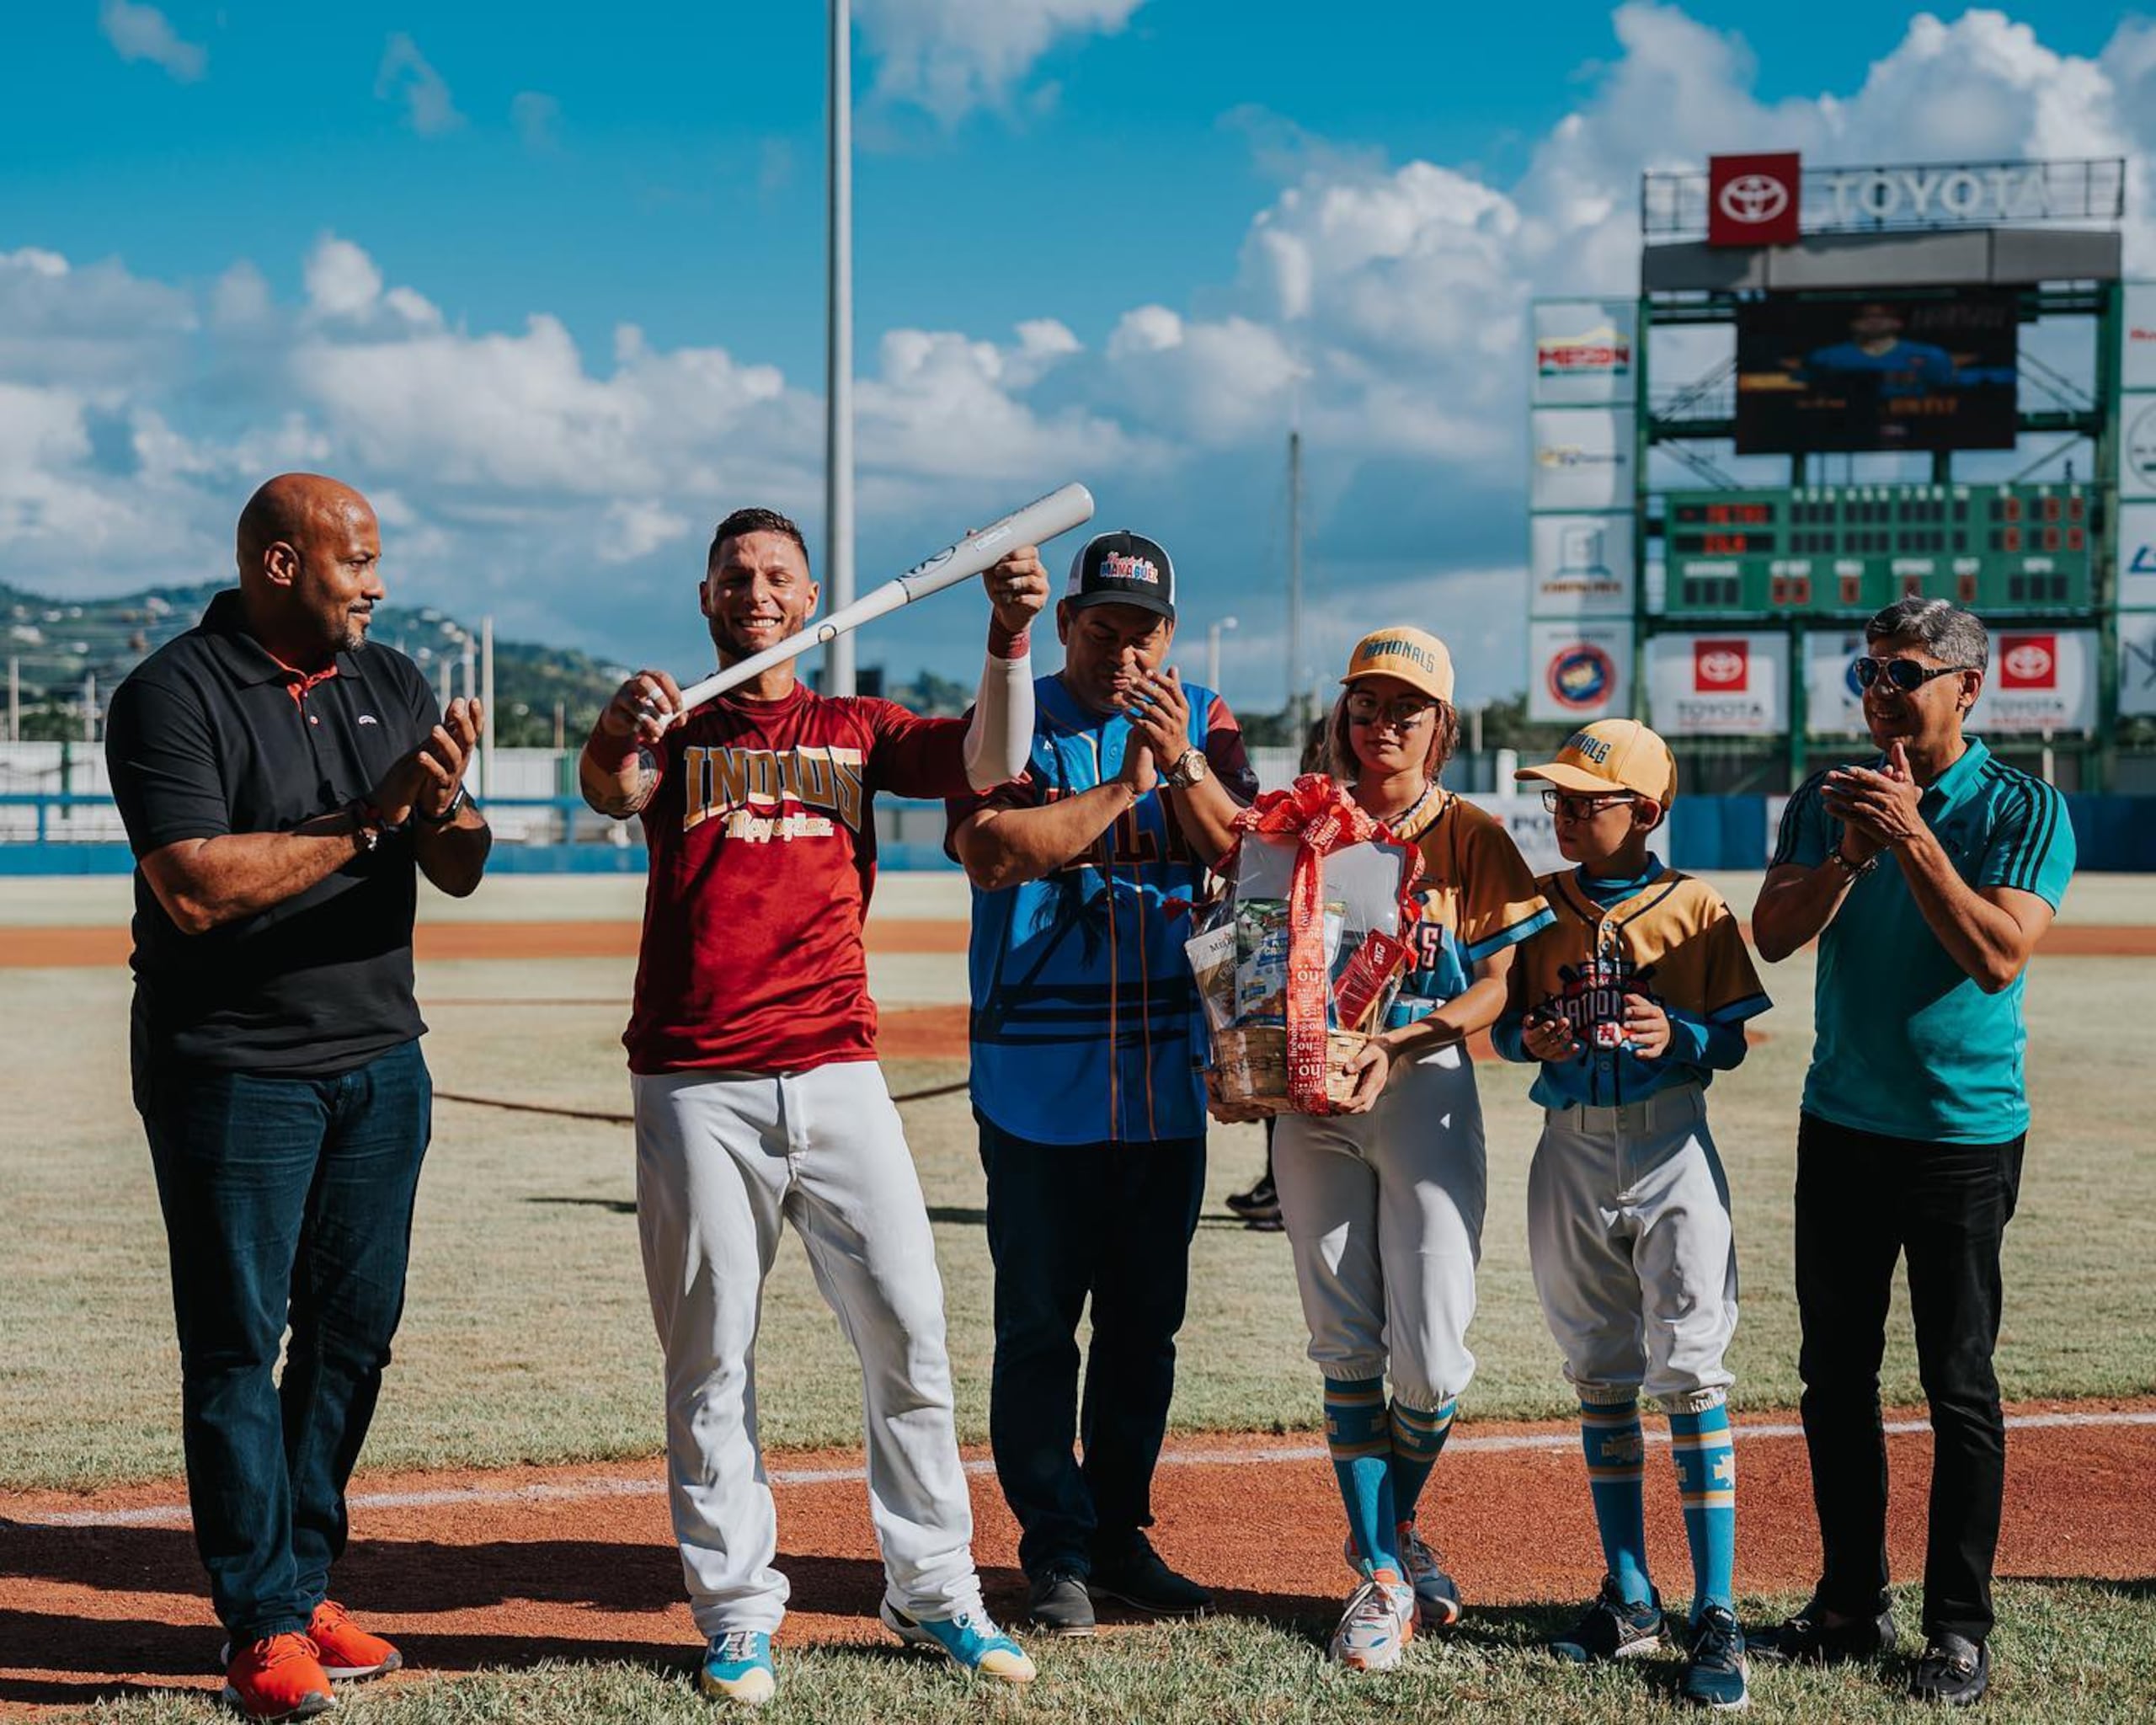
point(1568, 777)
point(1136, 601)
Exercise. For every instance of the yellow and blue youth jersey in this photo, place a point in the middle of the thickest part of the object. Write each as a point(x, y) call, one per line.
point(1668, 937)
point(1478, 897)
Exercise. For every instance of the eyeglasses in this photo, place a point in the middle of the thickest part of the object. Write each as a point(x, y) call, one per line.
point(1577, 805)
point(1406, 711)
point(1904, 674)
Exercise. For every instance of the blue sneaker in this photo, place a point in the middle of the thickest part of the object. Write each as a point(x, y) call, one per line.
point(970, 1639)
point(738, 1667)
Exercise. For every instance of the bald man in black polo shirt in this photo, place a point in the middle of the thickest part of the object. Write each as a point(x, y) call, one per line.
point(281, 778)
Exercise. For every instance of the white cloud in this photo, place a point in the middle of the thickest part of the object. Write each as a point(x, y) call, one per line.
point(953, 56)
point(537, 118)
point(637, 527)
point(405, 75)
point(144, 33)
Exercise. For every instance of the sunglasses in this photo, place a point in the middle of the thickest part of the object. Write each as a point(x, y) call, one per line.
point(1581, 805)
point(1407, 712)
point(1904, 674)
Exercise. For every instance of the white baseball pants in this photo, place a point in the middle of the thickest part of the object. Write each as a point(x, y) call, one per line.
point(722, 1160)
point(1629, 1232)
point(1384, 1215)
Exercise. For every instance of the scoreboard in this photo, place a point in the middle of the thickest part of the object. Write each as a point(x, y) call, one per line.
point(1827, 549)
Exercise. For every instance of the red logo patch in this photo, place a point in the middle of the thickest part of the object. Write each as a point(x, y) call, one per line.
point(2028, 661)
point(1720, 667)
point(1752, 201)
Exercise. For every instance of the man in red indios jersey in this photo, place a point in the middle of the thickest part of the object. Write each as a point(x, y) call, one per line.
point(758, 1098)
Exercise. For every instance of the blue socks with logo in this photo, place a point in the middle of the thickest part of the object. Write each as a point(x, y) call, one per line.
point(1707, 1486)
point(1616, 1452)
point(1358, 1433)
point(1418, 1435)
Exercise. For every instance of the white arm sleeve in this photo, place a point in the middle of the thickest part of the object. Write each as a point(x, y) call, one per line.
point(1000, 740)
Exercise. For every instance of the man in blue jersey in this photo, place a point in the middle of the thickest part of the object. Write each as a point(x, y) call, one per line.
point(1928, 877)
point(1085, 1081)
point(1876, 355)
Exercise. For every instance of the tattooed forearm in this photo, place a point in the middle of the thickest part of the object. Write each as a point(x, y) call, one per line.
point(622, 794)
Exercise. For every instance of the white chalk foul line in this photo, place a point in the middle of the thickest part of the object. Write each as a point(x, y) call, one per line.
point(583, 1490)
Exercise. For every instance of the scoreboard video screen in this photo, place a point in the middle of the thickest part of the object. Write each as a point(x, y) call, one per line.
point(1884, 372)
point(1854, 548)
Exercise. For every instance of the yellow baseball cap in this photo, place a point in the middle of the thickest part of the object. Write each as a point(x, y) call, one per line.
point(1620, 752)
point(1418, 658)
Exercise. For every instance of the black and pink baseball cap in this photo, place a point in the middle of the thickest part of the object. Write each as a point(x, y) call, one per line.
point(1121, 569)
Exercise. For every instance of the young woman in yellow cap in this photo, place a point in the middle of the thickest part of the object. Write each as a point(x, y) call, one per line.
point(1383, 1205)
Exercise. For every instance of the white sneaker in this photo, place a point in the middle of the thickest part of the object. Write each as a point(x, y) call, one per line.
point(1374, 1631)
point(1437, 1595)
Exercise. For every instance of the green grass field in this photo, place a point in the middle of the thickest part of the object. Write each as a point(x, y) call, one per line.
point(2067, 1650)
point(528, 1339)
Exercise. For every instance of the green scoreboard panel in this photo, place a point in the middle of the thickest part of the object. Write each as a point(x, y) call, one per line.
point(1851, 549)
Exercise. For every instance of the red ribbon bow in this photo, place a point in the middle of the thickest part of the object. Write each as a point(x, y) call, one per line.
point(1320, 815)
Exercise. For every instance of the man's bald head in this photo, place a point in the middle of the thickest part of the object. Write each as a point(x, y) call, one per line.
point(309, 551)
point(293, 509)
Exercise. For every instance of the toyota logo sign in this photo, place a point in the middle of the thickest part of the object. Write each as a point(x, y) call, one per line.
point(1752, 201)
point(1720, 667)
point(1753, 198)
point(2028, 662)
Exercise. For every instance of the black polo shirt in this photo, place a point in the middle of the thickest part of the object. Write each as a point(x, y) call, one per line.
point(211, 735)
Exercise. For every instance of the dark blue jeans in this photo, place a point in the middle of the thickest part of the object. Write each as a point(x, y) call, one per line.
point(1065, 1221)
point(1862, 1201)
point(286, 1200)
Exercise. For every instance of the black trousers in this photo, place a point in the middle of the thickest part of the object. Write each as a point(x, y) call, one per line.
point(1864, 1200)
point(1067, 1222)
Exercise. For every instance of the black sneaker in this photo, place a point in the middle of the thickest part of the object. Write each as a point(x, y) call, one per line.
point(1138, 1578)
point(1809, 1639)
point(1714, 1670)
point(1260, 1206)
point(1059, 1604)
point(1612, 1627)
point(1953, 1671)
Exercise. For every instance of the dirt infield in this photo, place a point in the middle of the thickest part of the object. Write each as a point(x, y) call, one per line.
point(93, 946)
point(101, 1594)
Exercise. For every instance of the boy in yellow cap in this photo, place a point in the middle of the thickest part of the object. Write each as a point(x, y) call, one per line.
point(1631, 1000)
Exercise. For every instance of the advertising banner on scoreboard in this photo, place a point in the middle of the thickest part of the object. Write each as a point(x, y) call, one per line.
point(1585, 351)
point(2138, 445)
point(2138, 665)
point(1582, 458)
point(2136, 540)
point(1577, 672)
point(1833, 704)
point(2043, 681)
point(2137, 337)
point(1580, 565)
point(1724, 685)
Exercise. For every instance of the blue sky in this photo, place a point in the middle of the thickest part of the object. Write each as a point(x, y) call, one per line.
point(552, 291)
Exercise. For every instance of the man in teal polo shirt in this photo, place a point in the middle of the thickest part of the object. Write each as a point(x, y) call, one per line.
point(1929, 878)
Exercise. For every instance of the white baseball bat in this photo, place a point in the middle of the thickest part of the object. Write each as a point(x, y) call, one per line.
point(1042, 518)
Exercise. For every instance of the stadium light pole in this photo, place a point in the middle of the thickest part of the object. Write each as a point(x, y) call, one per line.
point(1214, 630)
point(838, 383)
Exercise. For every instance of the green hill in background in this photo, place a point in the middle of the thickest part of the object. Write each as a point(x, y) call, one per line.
point(64, 651)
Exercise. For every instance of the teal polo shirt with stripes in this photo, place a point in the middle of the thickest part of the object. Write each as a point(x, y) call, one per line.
point(1907, 1045)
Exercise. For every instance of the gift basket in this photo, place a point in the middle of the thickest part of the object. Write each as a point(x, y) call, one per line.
point(1297, 962)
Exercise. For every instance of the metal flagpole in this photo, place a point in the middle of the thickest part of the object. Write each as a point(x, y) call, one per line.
point(838, 393)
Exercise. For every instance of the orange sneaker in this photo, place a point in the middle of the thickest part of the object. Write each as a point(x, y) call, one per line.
point(345, 1650)
point(278, 1678)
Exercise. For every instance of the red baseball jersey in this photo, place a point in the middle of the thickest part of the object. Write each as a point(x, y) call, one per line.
point(763, 857)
